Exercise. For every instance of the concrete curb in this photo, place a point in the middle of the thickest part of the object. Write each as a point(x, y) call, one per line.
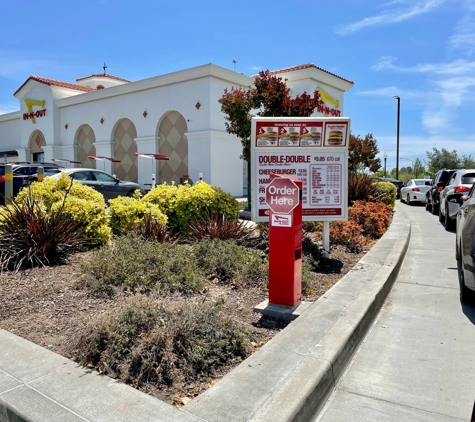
point(294, 373)
point(288, 379)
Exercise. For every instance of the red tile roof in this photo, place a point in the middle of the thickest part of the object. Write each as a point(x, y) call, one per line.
point(53, 82)
point(104, 75)
point(307, 66)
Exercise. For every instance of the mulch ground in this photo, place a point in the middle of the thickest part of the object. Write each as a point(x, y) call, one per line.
point(48, 307)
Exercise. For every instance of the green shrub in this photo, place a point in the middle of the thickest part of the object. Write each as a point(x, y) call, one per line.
point(185, 203)
point(164, 196)
point(225, 260)
point(84, 206)
point(311, 249)
point(129, 212)
point(135, 263)
point(385, 192)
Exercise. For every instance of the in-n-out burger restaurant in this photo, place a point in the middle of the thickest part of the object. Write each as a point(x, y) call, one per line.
point(176, 115)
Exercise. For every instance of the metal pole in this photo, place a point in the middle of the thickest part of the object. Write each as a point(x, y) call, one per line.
point(397, 136)
point(8, 183)
point(385, 166)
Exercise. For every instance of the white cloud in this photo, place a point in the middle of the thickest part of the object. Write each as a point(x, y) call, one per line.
point(457, 67)
point(392, 16)
point(9, 107)
point(391, 91)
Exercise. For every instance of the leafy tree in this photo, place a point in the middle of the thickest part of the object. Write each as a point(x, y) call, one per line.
point(468, 162)
point(270, 97)
point(418, 169)
point(443, 159)
point(362, 154)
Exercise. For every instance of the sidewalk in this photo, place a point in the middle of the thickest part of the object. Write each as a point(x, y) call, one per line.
point(288, 379)
point(417, 364)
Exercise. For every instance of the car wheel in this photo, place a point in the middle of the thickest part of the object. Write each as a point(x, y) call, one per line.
point(441, 216)
point(130, 194)
point(466, 295)
point(401, 198)
point(448, 222)
point(435, 208)
point(408, 199)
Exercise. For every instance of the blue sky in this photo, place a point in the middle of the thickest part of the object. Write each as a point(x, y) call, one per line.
point(421, 50)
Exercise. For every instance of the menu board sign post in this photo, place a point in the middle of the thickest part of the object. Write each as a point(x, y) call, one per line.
point(314, 150)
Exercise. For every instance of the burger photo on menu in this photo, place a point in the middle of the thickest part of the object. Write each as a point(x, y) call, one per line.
point(294, 136)
point(335, 137)
point(315, 136)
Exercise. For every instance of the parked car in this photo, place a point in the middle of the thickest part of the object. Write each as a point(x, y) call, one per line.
point(21, 172)
point(458, 185)
point(415, 191)
point(395, 182)
point(465, 245)
point(103, 182)
point(436, 185)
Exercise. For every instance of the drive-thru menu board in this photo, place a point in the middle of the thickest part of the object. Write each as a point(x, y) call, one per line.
point(314, 150)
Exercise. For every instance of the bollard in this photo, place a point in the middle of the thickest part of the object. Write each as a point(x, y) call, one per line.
point(8, 182)
point(41, 173)
point(200, 176)
point(153, 180)
point(186, 179)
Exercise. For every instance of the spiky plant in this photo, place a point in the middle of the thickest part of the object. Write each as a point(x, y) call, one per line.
point(30, 236)
point(218, 227)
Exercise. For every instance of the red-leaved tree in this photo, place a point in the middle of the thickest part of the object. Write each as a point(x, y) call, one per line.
point(362, 154)
point(270, 97)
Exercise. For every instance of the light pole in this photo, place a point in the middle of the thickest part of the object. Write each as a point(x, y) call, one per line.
point(397, 139)
point(385, 156)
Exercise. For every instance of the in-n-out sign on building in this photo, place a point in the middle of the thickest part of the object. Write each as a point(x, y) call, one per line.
point(177, 115)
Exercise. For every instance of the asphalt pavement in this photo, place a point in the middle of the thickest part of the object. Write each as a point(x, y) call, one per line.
point(417, 362)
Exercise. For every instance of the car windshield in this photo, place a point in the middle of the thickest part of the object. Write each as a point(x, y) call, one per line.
point(422, 182)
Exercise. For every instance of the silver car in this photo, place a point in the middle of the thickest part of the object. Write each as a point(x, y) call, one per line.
point(458, 185)
point(103, 182)
point(415, 191)
point(465, 245)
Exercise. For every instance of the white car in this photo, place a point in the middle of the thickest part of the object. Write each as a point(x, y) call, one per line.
point(415, 191)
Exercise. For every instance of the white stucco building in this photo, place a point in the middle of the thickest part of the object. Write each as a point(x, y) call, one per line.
point(176, 115)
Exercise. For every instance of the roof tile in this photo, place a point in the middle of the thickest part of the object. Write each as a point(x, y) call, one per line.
point(53, 82)
point(307, 66)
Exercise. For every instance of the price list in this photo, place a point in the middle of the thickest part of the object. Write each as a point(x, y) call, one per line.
point(325, 184)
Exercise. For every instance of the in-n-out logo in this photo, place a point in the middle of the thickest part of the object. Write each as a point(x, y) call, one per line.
point(282, 220)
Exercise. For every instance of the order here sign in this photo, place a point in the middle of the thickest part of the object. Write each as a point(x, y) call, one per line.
point(314, 150)
point(282, 195)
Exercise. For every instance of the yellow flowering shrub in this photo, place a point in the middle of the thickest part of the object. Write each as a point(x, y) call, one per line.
point(126, 212)
point(83, 205)
point(184, 203)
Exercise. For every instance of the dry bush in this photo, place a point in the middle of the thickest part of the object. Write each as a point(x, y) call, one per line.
point(163, 343)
